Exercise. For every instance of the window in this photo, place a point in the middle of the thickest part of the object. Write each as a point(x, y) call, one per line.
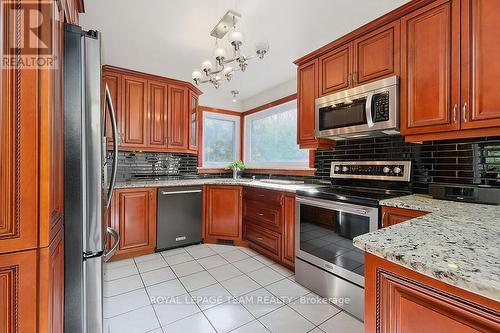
point(221, 139)
point(271, 139)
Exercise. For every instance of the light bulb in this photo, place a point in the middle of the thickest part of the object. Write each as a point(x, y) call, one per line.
point(217, 78)
point(228, 70)
point(206, 65)
point(220, 53)
point(196, 75)
point(236, 37)
point(234, 100)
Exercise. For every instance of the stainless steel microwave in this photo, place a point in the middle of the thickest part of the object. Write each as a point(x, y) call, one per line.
point(368, 110)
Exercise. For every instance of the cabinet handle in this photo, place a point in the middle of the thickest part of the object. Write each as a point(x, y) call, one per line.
point(455, 113)
point(260, 238)
point(464, 112)
point(260, 214)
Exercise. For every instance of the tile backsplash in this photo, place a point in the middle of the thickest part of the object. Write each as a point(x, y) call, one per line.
point(464, 161)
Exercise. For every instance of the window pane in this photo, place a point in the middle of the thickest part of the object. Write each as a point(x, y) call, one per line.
point(274, 139)
point(218, 142)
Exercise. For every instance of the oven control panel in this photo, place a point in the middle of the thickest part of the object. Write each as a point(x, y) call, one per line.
point(381, 170)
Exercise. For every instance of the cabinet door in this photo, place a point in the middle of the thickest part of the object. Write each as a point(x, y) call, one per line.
point(134, 118)
point(392, 216)
point(223, 209)
point(307, 81)
point(134, 217)
point(377, 54)
point(430, 72)
point(289, 232)
point(193, 121)
point(177, 117)
point(480, 65)
point(158, 105)
point(114, 82)
point(18, 294)
point(335, 70)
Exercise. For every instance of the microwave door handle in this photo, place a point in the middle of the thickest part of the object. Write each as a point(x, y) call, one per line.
point(114, 169)
point(368, 108)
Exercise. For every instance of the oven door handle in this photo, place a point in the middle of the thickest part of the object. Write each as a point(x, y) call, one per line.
point(333, 206)
point(368, 109)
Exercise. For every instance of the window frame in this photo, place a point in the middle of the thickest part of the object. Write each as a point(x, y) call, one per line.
point(276, 109)
point(236, 143)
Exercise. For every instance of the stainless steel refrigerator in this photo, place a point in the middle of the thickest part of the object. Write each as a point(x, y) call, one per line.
point(87, 187)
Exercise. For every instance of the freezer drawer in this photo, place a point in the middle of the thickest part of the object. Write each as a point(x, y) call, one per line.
point(179, 217)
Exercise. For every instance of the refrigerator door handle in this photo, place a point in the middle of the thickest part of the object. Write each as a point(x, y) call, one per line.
point(116, 236)
point(114, 168)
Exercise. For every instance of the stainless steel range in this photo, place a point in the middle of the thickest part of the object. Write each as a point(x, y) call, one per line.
point(327, 219)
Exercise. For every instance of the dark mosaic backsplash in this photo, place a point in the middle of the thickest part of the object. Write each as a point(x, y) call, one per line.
point(464, 161)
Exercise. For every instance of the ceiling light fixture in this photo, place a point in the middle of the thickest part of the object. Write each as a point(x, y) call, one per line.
point(234, 93)
point(215, 74)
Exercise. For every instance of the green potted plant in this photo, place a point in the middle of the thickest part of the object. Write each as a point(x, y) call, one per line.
point(236, 167)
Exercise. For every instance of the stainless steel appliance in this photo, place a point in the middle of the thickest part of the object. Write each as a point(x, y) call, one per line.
point(327, 219)
point(87, 187)
point(466, 193)
point(179, 217)
point(371, 109)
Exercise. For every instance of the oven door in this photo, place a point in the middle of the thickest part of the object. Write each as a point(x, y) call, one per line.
point(324, 233)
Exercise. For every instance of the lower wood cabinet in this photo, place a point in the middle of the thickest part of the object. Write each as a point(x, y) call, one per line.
point(288, 243)
point(401, 300)
point(263, 240)
point(222, 207)
point(392, 215)
point(133, 215)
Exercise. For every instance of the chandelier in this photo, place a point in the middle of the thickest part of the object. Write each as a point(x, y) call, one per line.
point(222, 70)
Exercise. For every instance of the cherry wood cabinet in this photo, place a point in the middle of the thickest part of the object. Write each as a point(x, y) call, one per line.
point(158, 109)
point(430, 78)
point(194, 121)
point(335, 70)
point(134, 121)
point(178, 114)
point(222, 206)
point(263, 240)
point(133, 215)
point(288, 235)
point(393, 215)
point(401, 300)
point(113, 81)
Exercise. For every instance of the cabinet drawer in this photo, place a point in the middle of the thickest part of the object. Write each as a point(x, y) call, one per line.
point(268, 197)
point(267, 216)
point(264, 241)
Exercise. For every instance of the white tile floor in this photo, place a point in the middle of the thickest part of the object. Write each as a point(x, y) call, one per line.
point(213, 288)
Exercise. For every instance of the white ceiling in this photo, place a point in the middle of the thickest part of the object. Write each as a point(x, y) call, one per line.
point(172, 37)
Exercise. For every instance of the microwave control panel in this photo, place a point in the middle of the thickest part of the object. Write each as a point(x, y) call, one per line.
point(381, 105)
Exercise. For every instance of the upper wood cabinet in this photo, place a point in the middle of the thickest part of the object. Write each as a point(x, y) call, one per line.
point(335, 70)
point(178, 113)
point(392, 215)
point(430, 78)
point(153, 113)
point(223, 212)
point(134, 217)
point(158, 109)
point(377, 54)
point(480, 66)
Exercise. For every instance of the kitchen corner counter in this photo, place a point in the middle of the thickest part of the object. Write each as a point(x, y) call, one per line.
point(457, 243)
point(216, 181)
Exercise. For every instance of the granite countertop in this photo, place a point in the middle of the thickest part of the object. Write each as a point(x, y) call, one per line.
point(216, 181)
point(457, 243)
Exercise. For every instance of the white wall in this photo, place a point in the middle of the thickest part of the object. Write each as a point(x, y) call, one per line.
point(282, 90)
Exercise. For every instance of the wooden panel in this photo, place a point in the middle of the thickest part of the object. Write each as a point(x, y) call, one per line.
point(135, 116)
point(265, 215)
point(430, 69)
point(178, 117)
point(377, 54)
point(480, 65)
point(158, 105)
point(288, 237)
point(51, 293)
point(400, 300)
point(18, 276)
point(392, 215)
point(194, 122)
point(19, 147)
point(114, 82)
point(134, 217)
point(268, 197)
point(263, 240)
point(335, 69)
point(307, 88)
point(223, 212)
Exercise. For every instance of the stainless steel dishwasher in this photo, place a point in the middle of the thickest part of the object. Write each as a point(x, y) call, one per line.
point(179, 216)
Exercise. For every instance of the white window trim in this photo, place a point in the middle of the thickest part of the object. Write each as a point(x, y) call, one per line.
point(236, 143)
point(248, 143)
